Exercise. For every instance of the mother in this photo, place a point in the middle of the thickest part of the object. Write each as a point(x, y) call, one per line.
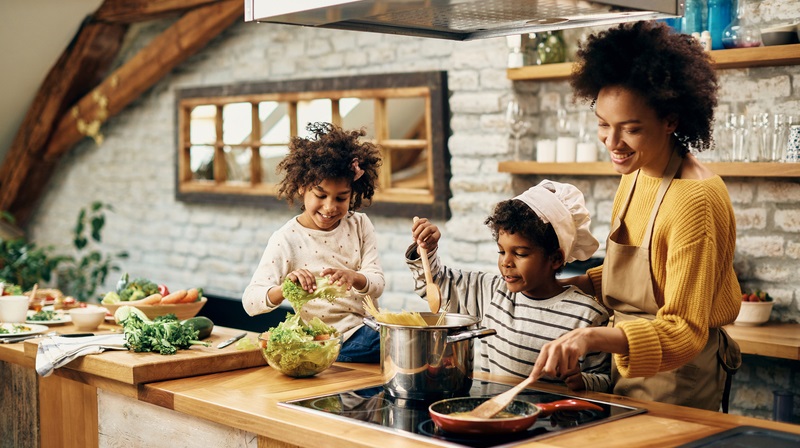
point(668, 272)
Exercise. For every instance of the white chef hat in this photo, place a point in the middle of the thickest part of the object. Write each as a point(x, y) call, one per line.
point(563, 206)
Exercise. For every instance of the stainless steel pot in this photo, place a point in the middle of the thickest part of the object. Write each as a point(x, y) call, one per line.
point(424, 363)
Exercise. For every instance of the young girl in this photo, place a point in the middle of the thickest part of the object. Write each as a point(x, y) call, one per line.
point(537, 232)
point(333, 172)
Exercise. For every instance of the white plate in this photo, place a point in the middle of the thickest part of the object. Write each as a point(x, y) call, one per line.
point(61, 318)
point(33, 329)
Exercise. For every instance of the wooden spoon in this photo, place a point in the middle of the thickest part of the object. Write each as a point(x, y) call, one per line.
point(431, 289)
point(490, 408)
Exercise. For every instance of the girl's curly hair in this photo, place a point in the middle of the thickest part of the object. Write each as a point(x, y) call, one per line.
point(514, 216)
point(669, 70)
point(329, 154)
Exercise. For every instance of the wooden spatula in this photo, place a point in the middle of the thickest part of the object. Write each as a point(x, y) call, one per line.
point(491, 407)
point(431, 289)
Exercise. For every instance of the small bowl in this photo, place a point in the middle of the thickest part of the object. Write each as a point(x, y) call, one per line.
point(753, 313)
point(182, 311)
point(89, 318)
point(780, 35)
point(316, 356)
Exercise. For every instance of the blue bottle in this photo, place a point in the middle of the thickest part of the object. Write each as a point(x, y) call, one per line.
point(692, 21)
point(720, 14)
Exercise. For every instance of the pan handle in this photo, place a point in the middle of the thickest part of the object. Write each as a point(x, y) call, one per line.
point(372, 324)
point(570, 404)
point(476, 333)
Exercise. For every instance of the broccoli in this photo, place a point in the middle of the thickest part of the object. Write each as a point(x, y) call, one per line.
point(136, 289)
point(165, 334)
point(298, 296)
point(296, 348)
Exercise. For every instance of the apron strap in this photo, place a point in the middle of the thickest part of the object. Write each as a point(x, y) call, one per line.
point(669, 174)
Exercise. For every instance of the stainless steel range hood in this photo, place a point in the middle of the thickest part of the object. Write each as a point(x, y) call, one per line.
point(457, 19)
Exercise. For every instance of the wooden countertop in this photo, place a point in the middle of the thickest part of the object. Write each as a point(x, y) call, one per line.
point(775, 339)
point(248, 399)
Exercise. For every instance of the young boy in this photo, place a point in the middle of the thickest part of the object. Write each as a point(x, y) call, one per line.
point(537, 232)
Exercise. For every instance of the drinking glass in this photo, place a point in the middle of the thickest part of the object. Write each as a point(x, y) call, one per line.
point(780, 136)
point(517, 123)
point(737, 127)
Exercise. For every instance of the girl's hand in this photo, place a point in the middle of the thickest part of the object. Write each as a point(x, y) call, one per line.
point(341, 277)
point(425, 234)
point(305, 278)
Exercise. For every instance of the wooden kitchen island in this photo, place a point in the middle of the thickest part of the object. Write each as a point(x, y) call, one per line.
point(84, 406)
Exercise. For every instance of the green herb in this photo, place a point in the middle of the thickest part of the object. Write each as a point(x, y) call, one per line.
point(45, 315)
point(165, 334)
point(298, 296)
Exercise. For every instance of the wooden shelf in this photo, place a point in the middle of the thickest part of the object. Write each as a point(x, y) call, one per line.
point(733, 58)
point(724, 169)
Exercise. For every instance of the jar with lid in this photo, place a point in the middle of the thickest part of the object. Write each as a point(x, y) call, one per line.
point(740, 33)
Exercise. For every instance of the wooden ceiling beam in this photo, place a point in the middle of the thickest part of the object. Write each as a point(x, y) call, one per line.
point(132, 11)
point(80, 67)
point(189, 34)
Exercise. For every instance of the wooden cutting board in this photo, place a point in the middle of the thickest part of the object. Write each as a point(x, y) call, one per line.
point(135, 368)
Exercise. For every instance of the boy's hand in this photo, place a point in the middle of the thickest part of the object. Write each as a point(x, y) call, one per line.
point(425, 234)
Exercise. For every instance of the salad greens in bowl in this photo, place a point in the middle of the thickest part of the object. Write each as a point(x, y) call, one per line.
point(299, 349)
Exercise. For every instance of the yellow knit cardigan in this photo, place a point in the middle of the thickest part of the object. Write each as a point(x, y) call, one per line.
point(691, 259)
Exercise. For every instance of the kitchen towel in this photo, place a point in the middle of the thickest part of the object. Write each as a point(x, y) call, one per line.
point(57, 351)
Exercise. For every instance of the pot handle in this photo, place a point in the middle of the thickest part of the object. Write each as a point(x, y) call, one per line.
point(372, 324)
point(469, 334)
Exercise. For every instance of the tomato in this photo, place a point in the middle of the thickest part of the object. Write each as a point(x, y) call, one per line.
point(163, 290)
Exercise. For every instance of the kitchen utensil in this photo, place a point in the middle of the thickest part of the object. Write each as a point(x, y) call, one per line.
point(431, 289)
point(232, 340)
point(453, 414)
point(13, 309)
point(26, 337)
point(425, 362)
point(490, 408)
point(182, 311)
point(89, 318)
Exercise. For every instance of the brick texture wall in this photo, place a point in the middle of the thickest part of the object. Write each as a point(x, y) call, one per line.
point(218, 246)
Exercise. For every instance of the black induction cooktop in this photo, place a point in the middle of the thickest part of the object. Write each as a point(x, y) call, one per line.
point(376, 408)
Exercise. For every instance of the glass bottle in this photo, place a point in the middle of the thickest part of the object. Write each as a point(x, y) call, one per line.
point(740, 33)
point(692, 21)
point(719, 17)
point(551, 48)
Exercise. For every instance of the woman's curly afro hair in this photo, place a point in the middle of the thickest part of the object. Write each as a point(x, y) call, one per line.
point(515, 217)
point(328, 154)
point(669, 70)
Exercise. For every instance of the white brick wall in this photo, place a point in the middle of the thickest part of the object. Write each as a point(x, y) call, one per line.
point(218, 246)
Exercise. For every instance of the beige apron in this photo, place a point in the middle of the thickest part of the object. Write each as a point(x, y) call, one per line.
point(701, 382)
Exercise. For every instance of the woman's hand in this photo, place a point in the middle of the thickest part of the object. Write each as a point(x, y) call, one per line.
point(560, 358)
point(425, 234)
point(347, 277)
point(574, 381)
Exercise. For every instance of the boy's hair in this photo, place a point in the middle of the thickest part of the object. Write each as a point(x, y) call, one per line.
point(514, 216)
point(329, 154)
point(669, 70)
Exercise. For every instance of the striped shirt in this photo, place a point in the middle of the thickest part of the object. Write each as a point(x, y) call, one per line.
point(523, 324)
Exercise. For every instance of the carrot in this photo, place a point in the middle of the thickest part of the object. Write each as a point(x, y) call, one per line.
point(191, 296)
point(174, 297)
point(152, 299)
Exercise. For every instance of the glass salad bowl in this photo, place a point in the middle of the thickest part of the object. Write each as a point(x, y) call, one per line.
point(300, 359)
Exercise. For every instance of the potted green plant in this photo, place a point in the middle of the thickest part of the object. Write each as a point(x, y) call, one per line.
point(22, 262)
point(82, 274)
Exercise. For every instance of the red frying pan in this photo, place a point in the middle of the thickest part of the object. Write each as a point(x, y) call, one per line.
point(517, 416)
